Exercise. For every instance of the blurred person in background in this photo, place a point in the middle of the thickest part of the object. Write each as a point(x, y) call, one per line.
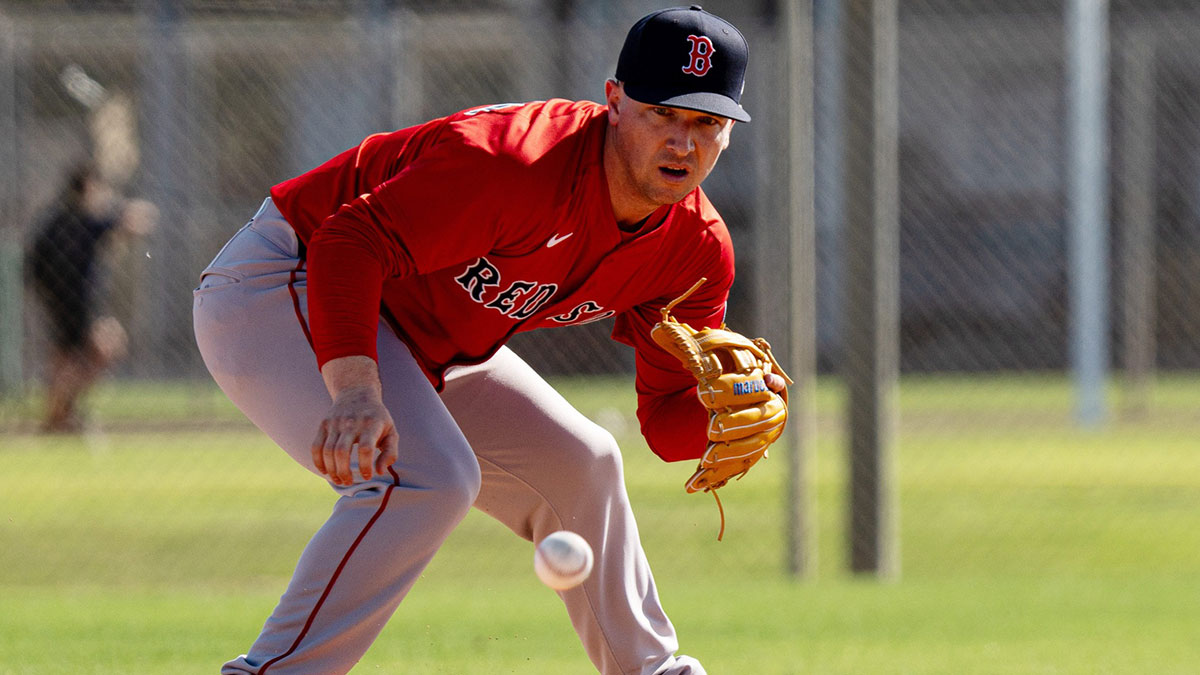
point(62, 266)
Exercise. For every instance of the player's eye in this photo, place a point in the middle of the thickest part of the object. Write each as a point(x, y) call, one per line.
point(661, 111)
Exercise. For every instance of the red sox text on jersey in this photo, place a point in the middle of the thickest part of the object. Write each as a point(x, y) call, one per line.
point(521, 299)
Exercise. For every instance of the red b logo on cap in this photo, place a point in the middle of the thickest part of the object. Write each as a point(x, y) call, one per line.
point(700, 60)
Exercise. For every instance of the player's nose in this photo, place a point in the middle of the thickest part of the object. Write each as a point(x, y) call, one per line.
point(680, 140)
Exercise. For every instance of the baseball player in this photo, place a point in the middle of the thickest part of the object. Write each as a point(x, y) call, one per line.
point(360, 318)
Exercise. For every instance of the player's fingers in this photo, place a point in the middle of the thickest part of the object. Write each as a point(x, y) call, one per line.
point(775, 383)
point(389, 451)
point(329, 456)
point(366, 450)
point(318, 449)
point(341, 457)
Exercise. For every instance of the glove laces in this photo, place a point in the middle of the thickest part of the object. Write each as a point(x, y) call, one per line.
point(721, 510)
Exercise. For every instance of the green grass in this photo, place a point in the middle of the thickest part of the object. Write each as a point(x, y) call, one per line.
point(1027, 546)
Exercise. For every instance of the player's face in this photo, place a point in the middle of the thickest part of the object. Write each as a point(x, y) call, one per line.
point(656, 155)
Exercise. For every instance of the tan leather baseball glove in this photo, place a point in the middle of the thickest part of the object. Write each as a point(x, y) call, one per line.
point(745, 416)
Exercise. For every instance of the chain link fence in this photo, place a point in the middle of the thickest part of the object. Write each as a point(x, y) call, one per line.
point(199, 107)
point(983, 164)
point(202, 106)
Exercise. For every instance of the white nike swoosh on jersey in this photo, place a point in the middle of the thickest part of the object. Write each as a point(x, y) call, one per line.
point(555, 240)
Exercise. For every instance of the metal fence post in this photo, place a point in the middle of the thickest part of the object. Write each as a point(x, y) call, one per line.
point(872, 297)
point(164, 171)
point(802, 304)
point(1087, 203)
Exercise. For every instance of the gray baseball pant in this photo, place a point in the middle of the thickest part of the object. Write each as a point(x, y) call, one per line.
point(498, 438)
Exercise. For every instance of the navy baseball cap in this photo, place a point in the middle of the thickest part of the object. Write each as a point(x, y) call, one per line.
point(684, 57)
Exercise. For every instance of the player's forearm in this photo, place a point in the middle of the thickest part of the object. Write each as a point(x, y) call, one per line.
point(352, 374)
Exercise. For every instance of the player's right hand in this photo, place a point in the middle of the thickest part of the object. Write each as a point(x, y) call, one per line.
point(357, 423)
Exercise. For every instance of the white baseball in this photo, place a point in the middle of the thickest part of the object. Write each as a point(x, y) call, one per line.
point(563, 560)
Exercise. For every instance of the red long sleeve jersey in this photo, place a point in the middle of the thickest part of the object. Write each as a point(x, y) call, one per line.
point(467, 229)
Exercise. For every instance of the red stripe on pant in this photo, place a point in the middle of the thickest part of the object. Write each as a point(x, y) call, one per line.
point(312, 616)
point(296, 302)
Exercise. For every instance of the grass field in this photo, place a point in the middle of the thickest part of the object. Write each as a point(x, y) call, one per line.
point(1027, 546)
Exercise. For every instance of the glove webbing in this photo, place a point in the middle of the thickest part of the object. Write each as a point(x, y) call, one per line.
point(757, 344)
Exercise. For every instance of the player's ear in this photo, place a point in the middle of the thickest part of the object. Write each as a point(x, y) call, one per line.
point(612, 95)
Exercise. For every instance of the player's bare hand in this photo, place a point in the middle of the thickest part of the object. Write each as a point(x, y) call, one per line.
point(357, 424)
point(775, 382)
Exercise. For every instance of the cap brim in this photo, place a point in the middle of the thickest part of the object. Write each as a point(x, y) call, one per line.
point(700, 101)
